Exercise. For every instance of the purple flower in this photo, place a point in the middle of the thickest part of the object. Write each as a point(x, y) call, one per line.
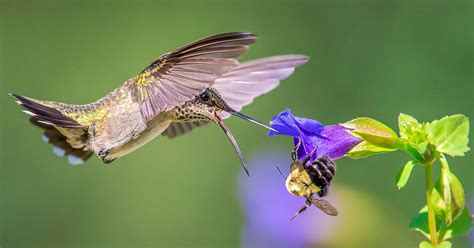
point(332, 141)
point(268, 207)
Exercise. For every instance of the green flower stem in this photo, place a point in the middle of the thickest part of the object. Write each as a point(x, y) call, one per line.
point(429, 203)
point(443, 162)
point(442, 231)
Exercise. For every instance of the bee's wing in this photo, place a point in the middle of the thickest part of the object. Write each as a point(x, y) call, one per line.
point(179, 76)
point(324, 205)
point(251, 79)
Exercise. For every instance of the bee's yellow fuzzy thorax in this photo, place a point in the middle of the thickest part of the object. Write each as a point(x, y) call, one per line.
point(299, 182)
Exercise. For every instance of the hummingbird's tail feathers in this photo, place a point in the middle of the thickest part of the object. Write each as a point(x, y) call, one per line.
point(68, 137)
point(69, 142)
point(46, 112)
point(254, 78)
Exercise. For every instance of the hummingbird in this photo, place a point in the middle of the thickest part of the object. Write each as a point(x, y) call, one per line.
point(196, 84)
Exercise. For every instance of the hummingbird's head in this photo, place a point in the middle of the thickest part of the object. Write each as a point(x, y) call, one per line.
point(211, 104)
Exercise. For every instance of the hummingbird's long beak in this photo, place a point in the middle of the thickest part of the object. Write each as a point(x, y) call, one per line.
point(232, 140)
point(250, 119)
point(221, 104)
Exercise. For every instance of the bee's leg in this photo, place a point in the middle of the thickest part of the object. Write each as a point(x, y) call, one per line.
point(306, 205)
point(295, 149)
point(323, 191)
point(309, 156)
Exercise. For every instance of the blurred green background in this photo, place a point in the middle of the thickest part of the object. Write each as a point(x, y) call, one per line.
point(371, 59)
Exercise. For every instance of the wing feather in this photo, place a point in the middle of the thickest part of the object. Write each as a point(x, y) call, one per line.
point(251, 79)
point(177, 129)
point(179, 76)
point(241, 85)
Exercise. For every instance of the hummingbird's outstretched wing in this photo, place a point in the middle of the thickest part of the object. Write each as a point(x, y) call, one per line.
point(245, 82)
point(179, 76)
point(254, 78)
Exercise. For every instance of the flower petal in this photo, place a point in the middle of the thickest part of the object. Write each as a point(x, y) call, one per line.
point(338, 142)
point(288, 124)
point(332, 141)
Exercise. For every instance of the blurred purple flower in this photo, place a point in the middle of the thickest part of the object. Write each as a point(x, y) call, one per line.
point(268, 207)
point(332, 141)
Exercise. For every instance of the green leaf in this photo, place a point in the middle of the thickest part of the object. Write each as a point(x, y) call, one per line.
point(413, 133)
point(404, 174)
point(421, 147)
point(419, 222)
point(365, 149)
point(441, 198)
point(426, 244)
point(373, 132)
point(450, 135)
point(460, 226)
point(457, 196)
point(448, 195)
point(442, 207)
point(404, 122)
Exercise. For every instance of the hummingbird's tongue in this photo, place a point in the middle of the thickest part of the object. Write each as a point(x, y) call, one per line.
point(231, 139)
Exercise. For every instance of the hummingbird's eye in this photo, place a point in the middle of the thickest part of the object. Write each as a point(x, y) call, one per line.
point(204, 96)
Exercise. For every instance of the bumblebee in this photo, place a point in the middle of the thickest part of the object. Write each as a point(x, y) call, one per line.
point(314, 178)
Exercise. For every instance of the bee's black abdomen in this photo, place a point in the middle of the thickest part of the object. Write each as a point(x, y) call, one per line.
point(323, 169)
point(326, 166)
point(321, 172)
point(316, 176)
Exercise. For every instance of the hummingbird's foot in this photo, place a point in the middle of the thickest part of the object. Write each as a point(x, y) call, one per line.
point(103, 155)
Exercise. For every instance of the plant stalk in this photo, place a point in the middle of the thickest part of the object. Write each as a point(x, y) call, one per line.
point(429, 203)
